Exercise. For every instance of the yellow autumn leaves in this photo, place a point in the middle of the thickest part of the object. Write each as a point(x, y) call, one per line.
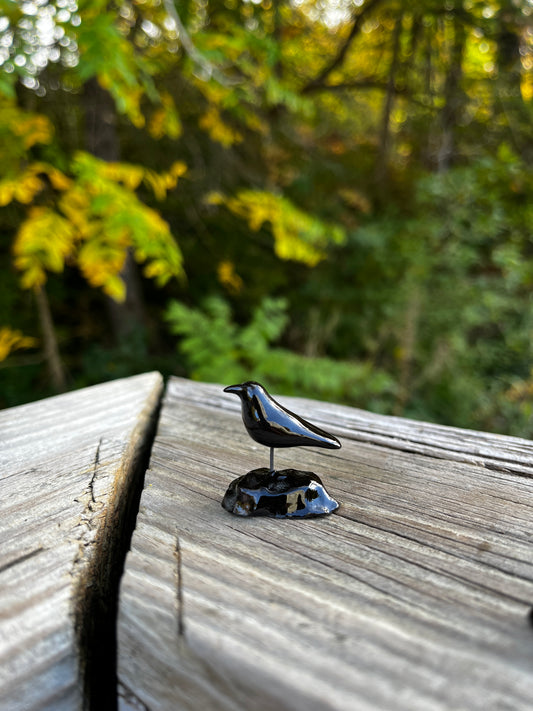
point(92, 222)
point(31, 128)
point(24, 186)
point(228, 277)
point(11, 340)
point(87, 215)
point(43, 242)
point(297, 235)
point(218, 130)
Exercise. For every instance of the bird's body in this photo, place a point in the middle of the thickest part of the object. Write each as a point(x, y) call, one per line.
point(272, 425)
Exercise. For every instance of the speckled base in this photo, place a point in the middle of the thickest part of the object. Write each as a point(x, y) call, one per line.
point(284, 494)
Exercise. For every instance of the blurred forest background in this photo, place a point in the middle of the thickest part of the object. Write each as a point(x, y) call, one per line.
point(333, 197)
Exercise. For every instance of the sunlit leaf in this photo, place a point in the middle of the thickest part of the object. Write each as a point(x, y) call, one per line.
point(43, 243)
point(298, 236)
point(11, 340)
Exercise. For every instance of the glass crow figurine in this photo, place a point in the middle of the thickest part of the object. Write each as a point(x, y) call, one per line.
point(267, 492)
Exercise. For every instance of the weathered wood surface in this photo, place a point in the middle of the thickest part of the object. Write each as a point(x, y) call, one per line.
point(414, 596)
point(66, 466)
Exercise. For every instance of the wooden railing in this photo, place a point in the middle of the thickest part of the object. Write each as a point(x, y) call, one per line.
point(415, 595)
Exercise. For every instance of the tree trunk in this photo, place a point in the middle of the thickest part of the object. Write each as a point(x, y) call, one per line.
point(508, 87)
point(384, 138)
point(51, 348)
point(103, 142)
point(408, 340)
point(453, 98)
point(100, 122)
point(129, 314)
point(428, 142)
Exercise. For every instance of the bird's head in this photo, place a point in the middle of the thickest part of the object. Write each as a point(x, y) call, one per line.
point(245, 391)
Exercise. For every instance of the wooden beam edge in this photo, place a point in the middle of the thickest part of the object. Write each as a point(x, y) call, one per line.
point(100, 566)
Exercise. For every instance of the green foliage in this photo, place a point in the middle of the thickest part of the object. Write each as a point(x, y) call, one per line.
point(381, 186)
point(460, 270)
point(129, 355)
point(216, 348)
point(219, 350)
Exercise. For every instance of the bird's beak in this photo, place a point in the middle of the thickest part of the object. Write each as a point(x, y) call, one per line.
point(237, 389)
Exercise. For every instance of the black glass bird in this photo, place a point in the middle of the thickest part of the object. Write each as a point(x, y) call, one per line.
point(266, 492)
point(271, 424)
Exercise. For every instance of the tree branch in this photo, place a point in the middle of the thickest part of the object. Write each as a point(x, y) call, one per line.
point(385, 137)
point(343, 49)
point(371, 83)
point(209, 70)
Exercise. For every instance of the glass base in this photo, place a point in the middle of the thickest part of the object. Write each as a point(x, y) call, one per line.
point(288, 493)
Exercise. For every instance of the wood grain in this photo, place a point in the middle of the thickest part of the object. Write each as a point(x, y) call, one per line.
point(66, 466)
point(414, 596)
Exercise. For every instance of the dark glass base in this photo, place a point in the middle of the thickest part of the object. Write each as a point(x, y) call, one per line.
point(284, 494)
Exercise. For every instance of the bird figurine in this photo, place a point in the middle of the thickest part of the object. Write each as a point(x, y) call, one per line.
point(271, 424)
point(289, 492)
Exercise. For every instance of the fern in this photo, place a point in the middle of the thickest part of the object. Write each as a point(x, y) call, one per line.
point(218, 350)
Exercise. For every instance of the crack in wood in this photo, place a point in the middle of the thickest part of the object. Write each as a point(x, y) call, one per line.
point(21, 559)
point(420, 447)
point(109, 531)
point(442, 571)
point(508, 470)
point(129, 701)
point(95, 470)
point(179, 589)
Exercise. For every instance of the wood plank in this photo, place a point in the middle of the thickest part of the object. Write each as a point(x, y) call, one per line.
point(414, 596)
point(67, 465)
